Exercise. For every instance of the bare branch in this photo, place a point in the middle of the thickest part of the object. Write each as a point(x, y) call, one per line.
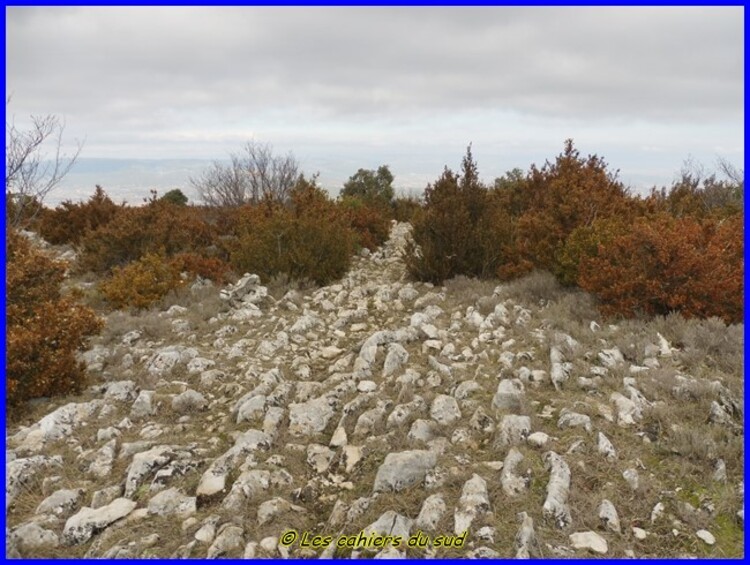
point(29, 174)
point(253, 175)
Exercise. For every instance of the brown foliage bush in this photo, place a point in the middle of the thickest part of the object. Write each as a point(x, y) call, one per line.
point(44, 330)
point(159, 226)
point(663, 264)
point(69, 222)
point(211, 268)
point(310, 239)
point(562, 196)
point(369, 220)
point(142, 282)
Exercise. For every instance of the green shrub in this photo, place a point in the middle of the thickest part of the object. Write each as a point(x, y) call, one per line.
point(175, 196)
point(44, 330)
point(371, 186)
point(308, 240)
point(460, 230)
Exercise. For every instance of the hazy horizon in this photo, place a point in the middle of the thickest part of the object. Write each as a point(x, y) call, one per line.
point(132, 179)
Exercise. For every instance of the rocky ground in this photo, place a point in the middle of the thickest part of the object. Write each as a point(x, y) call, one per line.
point(382, 417)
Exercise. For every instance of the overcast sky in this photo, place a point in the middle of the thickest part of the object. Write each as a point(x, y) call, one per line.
point(344, 88)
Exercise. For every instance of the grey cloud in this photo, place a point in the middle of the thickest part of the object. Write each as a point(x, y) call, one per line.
point(658, 63)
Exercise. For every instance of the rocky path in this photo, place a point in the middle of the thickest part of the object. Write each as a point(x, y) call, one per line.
point(377, 417)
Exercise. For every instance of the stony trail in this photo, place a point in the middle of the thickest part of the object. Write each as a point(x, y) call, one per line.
point(378, 417)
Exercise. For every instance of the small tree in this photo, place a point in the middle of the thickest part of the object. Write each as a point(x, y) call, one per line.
point(29, 173)
point(370, 185)
point(251, 176)
point(175, 196)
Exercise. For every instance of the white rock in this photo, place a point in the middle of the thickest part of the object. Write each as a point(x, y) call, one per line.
point(404, 469)
point(509, 394)
point(172, 502)
point(556, 504)
point(309, 418)
point(706, 537)
point(514, 429)
point(473, 502)
point(605, 447)
point(538, 439)
point(590, 541)
point(431, 513)
point(30, 538)
point(608, 516)
point(61, 503)
point(513, 484)
point(631, 477)
point(445, 410)
point(81, 526)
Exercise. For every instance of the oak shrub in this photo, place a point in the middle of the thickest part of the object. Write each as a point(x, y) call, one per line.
point(69, 222)
point(158, 226)
point(307, 239)
point(663, 264)
point(44, 329)
point(676, 250)
point(141, 283)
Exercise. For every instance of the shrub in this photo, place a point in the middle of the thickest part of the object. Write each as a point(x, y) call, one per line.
point(142, 282)
point(211, 268)
point(44, 329)
point(159, 226)
point(405, 207)
point(584, 241)
point(369, 221)
point(461, 230)
point(309, 239)
point(665, 264)
point(372, 186)
point(561, 197)
point(175, 196)
point(69, 222)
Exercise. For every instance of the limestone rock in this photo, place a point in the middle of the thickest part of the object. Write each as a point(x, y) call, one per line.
point(590, 541)
point(309, 418)
point(431, 513)
point(81, 526)
point(402, 470)
point(556, 504)
point(61, 503)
